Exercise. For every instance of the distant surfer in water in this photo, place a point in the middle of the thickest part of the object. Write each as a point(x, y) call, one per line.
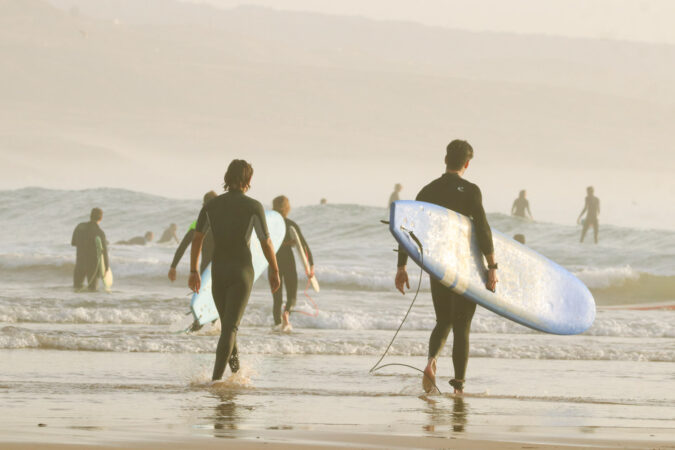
point(519, 238)
point(395, 196)
point(138, 240)
point(232, 218)
point(87, 260)
point(169, 234)
point(592, 211)
point(286, 260)
point(521, 206)
point(207, 246)
point(452, 310)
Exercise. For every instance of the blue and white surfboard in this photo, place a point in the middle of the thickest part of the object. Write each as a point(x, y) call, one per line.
point(202, 305)
point(532, 290)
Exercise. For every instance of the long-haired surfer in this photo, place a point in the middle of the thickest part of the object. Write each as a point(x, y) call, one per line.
point(592, 211)
point(521, 206)
point(169, 234)
point(207, 246)
point(232, 218)
point(87, 259)
point(286, 260)
point(452, 310)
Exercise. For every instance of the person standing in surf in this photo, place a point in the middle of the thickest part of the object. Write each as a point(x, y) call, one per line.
point(395, 196)
point(287, 271)
point(592, 210)
point(521, 206)
point(207, 247)
point(453, 312)
point(87, 260)
point(232, 218)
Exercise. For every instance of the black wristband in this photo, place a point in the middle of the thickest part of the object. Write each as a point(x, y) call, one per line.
point(494, 266)
point(194, 271)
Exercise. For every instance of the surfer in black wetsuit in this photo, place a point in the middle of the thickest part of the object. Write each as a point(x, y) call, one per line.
point(207, 247)
point(87, 261)
point(396, 195)
point(452, 310)
point(592, 210)
point(521, 205)
point(138, 240)
point(286, 260)
point(232, 218)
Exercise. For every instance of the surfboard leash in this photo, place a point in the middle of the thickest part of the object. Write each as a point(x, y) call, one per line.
point(312, 302)
point(376, 366)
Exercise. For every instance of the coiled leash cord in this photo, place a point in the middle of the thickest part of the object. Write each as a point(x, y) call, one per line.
point(377, 367)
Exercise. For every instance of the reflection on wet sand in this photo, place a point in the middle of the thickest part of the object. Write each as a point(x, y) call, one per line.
point(226, 415)
point(439, 415)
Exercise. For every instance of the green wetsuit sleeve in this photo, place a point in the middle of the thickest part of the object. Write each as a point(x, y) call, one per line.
point(180, 251)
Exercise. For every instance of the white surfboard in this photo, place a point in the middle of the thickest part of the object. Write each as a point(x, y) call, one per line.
point(533, 290)
point(297, 246)
point(104, 272)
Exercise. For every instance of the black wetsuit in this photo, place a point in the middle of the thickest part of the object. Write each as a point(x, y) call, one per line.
point(138, 240)
point(452, 310)
point(86, 262)
point(207, 248)
point(287, 271)
point(592, 208)
point(520, 205)
point(232, 218)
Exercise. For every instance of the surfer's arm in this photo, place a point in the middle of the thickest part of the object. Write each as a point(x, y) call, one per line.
point(583, 210)
point(195, 280)
point(75, 241)
point(483, 231)
point(180, 251)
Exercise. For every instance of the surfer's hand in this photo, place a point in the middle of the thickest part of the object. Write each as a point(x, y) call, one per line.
point(172, 274)
point(195, 282)
point(401, 279)
point(492, 280)
point(274, 280)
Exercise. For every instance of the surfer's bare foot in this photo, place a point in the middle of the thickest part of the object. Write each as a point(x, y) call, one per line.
point(286, 319)
point(429, 378)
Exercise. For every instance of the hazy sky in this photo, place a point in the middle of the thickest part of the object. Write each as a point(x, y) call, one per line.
point(638, 20)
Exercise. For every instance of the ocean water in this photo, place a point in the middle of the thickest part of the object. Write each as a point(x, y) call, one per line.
point(98, 361)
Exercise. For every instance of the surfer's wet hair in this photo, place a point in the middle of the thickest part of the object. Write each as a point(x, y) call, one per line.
point(238, 175)
point(209, 196)
point(281, 205)
point(96, 214)
point(458, 153)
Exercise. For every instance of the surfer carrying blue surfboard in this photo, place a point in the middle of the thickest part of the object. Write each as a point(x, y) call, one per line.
point(232, 218)
point(87, 260)
point(453, 312)
point(287, 271)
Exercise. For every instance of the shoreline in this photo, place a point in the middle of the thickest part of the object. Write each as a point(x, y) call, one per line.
point(288, 439)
